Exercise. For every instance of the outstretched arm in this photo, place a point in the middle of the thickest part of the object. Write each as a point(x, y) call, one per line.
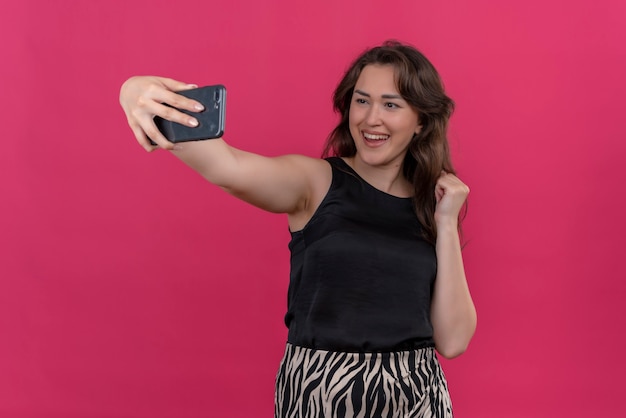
point(283, 184)
point(452, 311)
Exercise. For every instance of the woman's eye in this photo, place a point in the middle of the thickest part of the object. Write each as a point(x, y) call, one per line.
point(391, 105)
point(361, 101)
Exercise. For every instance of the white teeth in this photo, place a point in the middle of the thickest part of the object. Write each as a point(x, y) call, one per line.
point(375, 137)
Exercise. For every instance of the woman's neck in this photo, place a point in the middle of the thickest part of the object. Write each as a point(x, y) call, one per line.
point(386, 178)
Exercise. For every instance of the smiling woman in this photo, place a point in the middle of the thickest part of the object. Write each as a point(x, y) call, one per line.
point(377, 280)
point(400, 70)
point(382, 125)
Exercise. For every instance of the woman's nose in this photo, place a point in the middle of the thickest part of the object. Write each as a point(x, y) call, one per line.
point(373, 116)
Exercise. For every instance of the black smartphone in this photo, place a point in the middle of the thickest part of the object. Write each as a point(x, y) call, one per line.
point(210, 120)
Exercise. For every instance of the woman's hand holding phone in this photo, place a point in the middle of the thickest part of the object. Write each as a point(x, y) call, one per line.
point(210, 120)
point(144, 97)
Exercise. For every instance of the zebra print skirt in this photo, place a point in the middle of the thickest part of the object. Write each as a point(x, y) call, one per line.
point(317, 383)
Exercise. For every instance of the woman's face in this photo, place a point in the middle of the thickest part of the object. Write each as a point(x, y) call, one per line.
point(382, 123)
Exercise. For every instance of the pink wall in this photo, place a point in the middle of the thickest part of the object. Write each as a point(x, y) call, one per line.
point(131, 288)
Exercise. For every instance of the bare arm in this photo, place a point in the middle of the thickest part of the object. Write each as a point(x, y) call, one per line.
point(452, 311)
point(282, 184)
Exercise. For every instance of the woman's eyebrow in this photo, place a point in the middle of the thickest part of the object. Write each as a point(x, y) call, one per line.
point(384, 96)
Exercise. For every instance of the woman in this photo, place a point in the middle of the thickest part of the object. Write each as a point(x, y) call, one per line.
point(377, 279)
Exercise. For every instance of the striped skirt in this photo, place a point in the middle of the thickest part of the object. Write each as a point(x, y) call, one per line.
point(317, 383)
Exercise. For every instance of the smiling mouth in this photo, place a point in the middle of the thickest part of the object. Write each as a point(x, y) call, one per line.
point(373, 137)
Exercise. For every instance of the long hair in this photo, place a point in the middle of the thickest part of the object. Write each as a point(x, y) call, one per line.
point(428, 154)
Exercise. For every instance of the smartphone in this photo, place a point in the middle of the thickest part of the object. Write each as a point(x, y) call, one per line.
point(210, 120)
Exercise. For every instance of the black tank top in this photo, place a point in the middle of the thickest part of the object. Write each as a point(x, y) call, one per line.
point(361, 274)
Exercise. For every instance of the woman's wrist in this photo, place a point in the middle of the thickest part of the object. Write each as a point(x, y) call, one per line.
point(446, 223)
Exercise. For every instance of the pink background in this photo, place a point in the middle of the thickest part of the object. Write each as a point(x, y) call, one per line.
point(129, 287)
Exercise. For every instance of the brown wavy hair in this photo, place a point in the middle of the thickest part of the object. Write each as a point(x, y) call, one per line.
point(428, 154)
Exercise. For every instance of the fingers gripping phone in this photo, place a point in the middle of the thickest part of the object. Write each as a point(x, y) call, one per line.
point(210, 120)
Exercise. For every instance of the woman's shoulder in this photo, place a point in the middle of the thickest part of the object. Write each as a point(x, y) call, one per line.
point(303, 163)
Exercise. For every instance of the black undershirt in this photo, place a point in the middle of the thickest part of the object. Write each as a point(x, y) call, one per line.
point(361, 274)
